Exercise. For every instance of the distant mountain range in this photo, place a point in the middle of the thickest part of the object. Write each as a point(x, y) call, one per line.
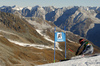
point(27, 36)
point(84, 21)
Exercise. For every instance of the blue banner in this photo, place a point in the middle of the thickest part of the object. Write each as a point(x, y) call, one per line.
point(60, 37)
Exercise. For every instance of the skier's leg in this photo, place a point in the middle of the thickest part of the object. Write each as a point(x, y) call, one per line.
point(88, 50)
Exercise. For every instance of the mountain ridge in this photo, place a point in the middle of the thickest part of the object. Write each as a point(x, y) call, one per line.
point(77, 19)
point(30, 41)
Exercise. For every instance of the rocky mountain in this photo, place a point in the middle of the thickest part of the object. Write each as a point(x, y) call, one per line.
point(20, 43)
point(30, 42)
point(83, 21)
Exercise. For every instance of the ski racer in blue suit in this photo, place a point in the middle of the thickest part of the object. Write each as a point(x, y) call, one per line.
point(88, 48)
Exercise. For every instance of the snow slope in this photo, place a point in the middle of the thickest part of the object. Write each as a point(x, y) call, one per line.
point(91, 61)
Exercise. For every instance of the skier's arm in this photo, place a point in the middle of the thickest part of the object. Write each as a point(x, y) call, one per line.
point(79, 48)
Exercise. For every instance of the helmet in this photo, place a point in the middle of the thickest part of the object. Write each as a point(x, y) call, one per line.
point(81, 40)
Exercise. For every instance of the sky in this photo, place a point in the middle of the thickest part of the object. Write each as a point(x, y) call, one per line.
point(56, 3)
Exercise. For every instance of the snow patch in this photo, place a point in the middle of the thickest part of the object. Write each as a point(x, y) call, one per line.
point(31, 45)
point(15, 7)
point(28, 7)
point(7, 32)
point(38, 25)
point(91, 61)
point(41, 46)
point(70, 41)
point(48, 38)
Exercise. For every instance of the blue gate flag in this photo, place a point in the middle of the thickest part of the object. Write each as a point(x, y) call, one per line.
point(60, 37)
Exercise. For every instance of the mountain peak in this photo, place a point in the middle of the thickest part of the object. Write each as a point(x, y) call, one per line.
point(28, 7)
point(37, 6)
point(15, 7)
point(4, 6)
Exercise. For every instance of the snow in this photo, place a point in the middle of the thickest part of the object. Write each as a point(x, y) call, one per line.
point(70, 41)
point(48, 38)
point(31, 45)
point(38, 46)
point(7, 32)
point(26, 44)
point(43, 25)
point(15, 7)
point(36, 7)
point(91, 61)
point(28, 7)
point(3, 7)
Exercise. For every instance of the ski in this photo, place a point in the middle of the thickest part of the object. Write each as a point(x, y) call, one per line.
point(65, 59)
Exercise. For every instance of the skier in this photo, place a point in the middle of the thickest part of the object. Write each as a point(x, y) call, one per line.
point(88, 48)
